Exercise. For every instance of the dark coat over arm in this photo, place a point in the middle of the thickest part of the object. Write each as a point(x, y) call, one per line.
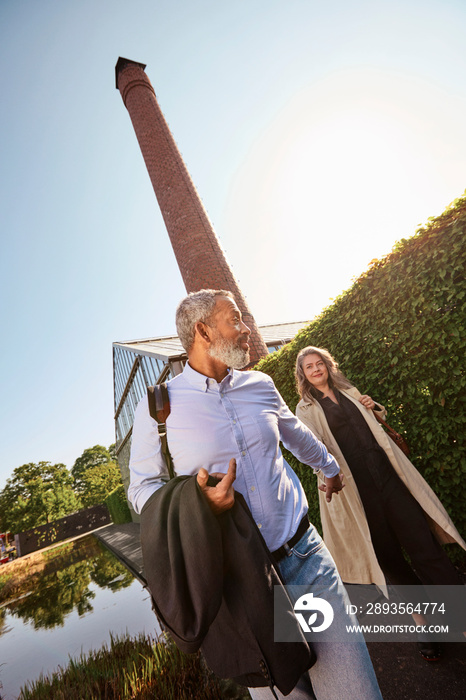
point(212, 582)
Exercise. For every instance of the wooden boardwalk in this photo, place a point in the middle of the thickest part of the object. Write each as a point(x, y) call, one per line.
point(124, 541)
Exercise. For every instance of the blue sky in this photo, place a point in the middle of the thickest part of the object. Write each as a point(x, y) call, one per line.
point(317, 134)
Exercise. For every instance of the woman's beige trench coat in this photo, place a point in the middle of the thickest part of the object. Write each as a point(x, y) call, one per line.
point(345, 528)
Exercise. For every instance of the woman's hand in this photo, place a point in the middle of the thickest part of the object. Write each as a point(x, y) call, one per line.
point(367, 402)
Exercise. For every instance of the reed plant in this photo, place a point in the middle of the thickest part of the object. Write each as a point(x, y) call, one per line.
point(133, 668)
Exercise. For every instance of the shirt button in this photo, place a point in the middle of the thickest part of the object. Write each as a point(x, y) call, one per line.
point(234, 422)
point(259, 525)
point(243, 452)
point(253, 488)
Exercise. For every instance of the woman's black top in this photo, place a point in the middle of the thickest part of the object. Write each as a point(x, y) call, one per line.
point(367, 461)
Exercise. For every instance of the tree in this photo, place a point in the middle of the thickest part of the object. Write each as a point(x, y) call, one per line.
point(91, 457)
point(98, 481)
point(95, 474)
point(37, 494)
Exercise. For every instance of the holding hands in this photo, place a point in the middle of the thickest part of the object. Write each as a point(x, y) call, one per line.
point(332, 485)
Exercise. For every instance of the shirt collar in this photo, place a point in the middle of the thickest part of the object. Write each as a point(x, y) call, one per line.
point(318, 398)
point(321, 397)
point(201, 382)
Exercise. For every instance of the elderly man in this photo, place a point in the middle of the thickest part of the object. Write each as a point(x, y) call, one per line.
point(228, 424)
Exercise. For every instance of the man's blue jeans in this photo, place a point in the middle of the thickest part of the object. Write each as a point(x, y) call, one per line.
point(342, 669)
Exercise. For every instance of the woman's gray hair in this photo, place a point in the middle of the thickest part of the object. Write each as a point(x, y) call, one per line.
point(336, 380)
point(197, 306)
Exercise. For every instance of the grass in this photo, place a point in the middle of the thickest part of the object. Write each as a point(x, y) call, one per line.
point(134, 668)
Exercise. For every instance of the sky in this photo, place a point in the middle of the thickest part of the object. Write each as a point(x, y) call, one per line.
point(317, 135)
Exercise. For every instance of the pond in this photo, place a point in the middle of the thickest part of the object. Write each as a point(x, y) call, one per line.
point(73, 609)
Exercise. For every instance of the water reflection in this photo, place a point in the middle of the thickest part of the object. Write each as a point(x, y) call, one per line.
point(65, 590)
point(68, 609)
point(2, 621)
point(107, 572)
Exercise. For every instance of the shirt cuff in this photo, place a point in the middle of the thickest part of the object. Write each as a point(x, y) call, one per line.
point(330, 469)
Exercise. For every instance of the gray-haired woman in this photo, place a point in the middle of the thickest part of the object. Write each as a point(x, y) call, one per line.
point(384, 504)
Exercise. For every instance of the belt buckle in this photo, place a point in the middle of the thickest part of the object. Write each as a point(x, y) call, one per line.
point(288, 549)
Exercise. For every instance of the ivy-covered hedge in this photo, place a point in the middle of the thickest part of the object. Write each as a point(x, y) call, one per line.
point(118, 506)
point(399, 335)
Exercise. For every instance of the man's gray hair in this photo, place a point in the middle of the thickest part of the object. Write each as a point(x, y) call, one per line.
point(197, 306)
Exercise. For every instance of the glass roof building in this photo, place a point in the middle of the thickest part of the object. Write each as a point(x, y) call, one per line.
point(138, 364)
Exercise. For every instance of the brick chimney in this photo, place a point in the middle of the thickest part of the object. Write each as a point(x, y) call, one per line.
point(197, 249)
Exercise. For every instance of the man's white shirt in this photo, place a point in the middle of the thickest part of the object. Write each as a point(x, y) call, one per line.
point(243, 417)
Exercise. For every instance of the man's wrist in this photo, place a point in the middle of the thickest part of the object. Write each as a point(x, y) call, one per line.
point(331, 470)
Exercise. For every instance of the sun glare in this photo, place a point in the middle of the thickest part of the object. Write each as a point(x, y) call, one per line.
point(348, 165)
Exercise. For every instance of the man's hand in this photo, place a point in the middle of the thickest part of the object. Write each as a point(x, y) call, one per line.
point(333, 484)
point(222, 496)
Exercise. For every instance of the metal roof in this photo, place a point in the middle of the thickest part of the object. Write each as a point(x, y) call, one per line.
point(276, 333)
point(169, 347)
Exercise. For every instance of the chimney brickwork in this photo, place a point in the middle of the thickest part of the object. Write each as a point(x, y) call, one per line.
point(196, 246)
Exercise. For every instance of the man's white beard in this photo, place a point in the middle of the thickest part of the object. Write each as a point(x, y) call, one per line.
point(230, 354)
